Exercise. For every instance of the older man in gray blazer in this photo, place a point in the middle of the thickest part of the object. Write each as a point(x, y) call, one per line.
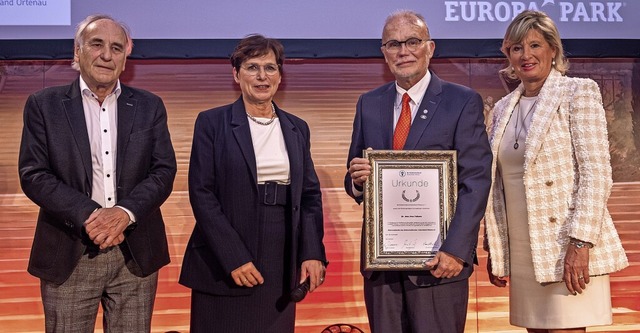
point(97, 158)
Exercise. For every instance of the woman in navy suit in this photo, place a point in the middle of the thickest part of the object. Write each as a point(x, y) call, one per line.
point(257, 203)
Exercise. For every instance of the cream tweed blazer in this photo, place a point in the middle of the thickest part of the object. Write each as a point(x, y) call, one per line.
point(567, 179)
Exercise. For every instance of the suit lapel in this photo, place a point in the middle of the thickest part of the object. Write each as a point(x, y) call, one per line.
point(75, 114)
point(548, 104)
point(426, 110)
point(503, 114)
point(126, 114)
point(242, 134)
point(385, 116)
point(294, 150)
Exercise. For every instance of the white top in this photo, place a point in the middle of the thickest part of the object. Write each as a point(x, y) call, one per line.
point(272, 159)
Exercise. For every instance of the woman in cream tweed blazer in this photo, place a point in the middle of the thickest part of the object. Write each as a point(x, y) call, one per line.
point(566, 182)
point(567, 179)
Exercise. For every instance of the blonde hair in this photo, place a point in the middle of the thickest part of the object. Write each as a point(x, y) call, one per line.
point(518, 29)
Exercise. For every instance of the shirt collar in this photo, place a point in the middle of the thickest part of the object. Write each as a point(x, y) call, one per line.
point(418, 90)
point(84, 88)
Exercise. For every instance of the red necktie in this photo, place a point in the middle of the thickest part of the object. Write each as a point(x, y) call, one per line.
point(403, 125)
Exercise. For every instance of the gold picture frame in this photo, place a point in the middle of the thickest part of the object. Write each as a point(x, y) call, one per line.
point(410, 199)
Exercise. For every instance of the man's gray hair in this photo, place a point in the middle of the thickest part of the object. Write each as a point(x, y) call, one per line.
point(78, 38)
point(408, 15)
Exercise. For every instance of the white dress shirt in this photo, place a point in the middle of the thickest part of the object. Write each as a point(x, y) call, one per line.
point(102, 127)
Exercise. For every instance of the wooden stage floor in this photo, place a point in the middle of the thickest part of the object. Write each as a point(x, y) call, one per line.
point(323, 93)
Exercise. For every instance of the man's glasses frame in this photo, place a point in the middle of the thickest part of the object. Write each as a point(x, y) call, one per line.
point(412, 44)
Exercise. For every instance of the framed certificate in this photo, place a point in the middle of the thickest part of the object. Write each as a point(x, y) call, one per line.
point(410, 198)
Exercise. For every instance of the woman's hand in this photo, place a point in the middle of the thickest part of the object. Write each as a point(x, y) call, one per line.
point(496, 281)
point(247, 275)
point(576, 268)
point(315, 270)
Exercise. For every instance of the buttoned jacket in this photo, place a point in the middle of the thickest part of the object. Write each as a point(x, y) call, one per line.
point(567, 180)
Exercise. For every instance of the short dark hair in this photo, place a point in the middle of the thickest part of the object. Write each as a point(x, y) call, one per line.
point(256, 45)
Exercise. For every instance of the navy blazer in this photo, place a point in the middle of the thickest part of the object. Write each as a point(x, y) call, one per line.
point(454, 121)
point(56, 173)
point(223, 191)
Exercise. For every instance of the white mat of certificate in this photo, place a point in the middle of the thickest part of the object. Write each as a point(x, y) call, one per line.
point(410, 210)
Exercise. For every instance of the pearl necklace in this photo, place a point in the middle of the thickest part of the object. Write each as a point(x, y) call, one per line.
point(264, 123)
point(516, 131)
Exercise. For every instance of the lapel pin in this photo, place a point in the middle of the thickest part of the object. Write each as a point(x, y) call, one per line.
point(423, 117)
point(425, 111)
point(129, 104)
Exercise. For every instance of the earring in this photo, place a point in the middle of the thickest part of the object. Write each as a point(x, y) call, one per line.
point(553, 63)
point(512, 69)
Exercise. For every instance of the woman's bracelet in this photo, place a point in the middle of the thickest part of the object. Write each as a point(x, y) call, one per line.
point(580, 244)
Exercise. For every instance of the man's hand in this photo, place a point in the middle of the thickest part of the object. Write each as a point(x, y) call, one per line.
point(247, 275)
point(106, 226)
point(444, 265)
point(359, 169)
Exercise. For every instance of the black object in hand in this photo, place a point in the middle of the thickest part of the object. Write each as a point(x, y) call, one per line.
point(300, 291)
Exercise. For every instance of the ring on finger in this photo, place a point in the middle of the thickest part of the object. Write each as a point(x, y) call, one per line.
point(580, 277)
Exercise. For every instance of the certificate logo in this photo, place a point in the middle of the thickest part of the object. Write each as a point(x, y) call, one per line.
point(414, 199)
point(404, 173)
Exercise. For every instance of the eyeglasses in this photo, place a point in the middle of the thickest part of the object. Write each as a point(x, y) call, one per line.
point(254, 69)
point(394, 46)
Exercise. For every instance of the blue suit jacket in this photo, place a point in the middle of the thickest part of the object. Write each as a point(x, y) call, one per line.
point(56, 173)
point(454, 121)
point(223, 191)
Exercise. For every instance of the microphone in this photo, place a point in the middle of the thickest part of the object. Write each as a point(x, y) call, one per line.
point(300, 291)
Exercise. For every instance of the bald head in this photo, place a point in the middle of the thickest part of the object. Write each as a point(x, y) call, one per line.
point(405, 17)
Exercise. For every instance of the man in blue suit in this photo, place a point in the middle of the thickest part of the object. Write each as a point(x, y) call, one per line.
point(439, 116)
point(97, 158)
